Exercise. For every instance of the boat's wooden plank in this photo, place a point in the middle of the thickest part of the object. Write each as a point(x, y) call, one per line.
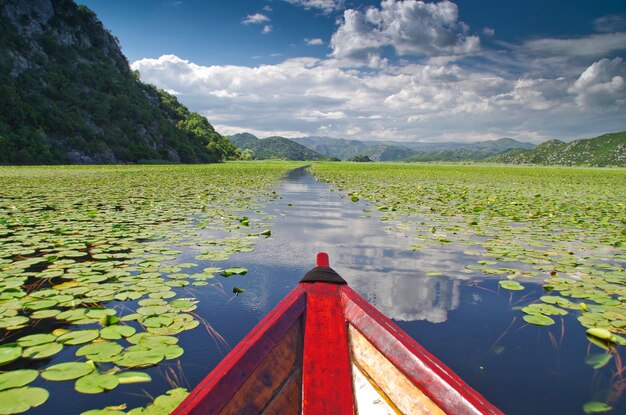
point(268, 378)
point(367, 399)
point(401, 392)
point(430, 375)
point(326, 376)
point(288, 401)
point(214, 391)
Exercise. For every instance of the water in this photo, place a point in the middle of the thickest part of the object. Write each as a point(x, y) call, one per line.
point(463, 318)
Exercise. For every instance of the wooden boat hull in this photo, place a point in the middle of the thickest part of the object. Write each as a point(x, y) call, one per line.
point(325, 350)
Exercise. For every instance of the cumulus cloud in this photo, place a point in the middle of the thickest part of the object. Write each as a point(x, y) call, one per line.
point(256, 18)
point(410, 27)
point(326, 6)
point(266, 29)
point(314, 42)
point(601, 85)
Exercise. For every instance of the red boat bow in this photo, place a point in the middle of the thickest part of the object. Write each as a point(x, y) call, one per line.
point(320, 351)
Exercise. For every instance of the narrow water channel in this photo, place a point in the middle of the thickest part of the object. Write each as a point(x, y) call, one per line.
point(460, 316)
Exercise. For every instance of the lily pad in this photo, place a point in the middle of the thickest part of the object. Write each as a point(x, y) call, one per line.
point(78, 337)
point(234, 271)
point(42, 351)
point(17, 378)
point(538, 319)
point(18, 400)
point(116, 332)
point(133, 377)
point(511, 285)
point(9, 352)
point(96, 383)
point(595, 407)
point(67, 371)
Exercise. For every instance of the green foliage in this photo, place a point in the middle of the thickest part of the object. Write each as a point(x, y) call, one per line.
point(277, 148)
point(605, 150)
point(361, 159)
point(80, 102)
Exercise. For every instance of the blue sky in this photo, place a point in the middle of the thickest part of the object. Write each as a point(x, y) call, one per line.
point(385, 70)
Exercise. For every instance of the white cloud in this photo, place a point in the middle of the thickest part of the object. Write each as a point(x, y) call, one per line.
point(610, 23)
point(488, 31)
point(256, 18)
point(601, 85)
point(266, 29)
point(410, 27)
point(267, 8)
point(314, 42)
point(327, 6)
point(587, 46)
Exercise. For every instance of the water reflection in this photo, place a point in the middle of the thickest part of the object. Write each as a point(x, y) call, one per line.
point(376, 263)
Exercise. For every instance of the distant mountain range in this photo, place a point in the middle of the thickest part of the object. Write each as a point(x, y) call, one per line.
point(605, 150)
point(278, 148)
point(416, 151)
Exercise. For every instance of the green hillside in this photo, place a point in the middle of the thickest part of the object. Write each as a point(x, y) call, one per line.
point(605, 150)
point(278, 148)
point(69, 96)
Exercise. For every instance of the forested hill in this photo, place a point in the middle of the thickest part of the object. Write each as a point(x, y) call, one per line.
point(68, 95)
point(604, 150)
point(273, 148)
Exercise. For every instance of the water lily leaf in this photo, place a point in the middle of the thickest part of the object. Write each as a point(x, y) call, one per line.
point(42, 351)
point(13, 323)
point(78, 337)
point(538, 319)
point(17, 378)
point(9, 352)
point(18, 400)
point(67, 371)
point(598, 361)
point(35, 339)
point(117, 332)
point(139, 358)
point(511, 285)
point(100, 351)
point(104, 411)
point(237, 290)
point(594, 407)
point(234, 270)
point(133, 377)
point(41, 314)
point(96, 383)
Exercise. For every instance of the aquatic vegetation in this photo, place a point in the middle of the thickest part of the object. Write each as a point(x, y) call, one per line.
point(564, 228)
point(89, 264)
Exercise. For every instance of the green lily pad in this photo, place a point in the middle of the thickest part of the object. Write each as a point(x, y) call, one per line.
point(598, 361)
point(100, 351)
point(78, 337)
point(9, 352)
point(17, 378)
point(511, 285)
point(594, 407)
point(67, 371)
point(35, 340)
point(133, 377)
point(18, 400)
point(42, 351)
point(96, 383)
point(117, 332)
point(234, 271)
point(538, 319)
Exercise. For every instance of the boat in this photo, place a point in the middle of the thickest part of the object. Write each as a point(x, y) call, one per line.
point(325, 350)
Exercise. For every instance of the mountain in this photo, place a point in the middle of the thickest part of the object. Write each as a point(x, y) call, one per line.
point(604, 150)
point(68, 95)
point(274, 148)
point(477, 151)
point(410, 151)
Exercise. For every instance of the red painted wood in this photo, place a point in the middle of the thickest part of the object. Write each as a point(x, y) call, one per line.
point(214, 391)
point(429, 374)
point(322, 260)
point(326, 373)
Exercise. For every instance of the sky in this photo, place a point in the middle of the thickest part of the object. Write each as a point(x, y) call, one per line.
point(467, 70)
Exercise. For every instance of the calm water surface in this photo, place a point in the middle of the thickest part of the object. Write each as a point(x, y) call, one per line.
point(461, 316)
